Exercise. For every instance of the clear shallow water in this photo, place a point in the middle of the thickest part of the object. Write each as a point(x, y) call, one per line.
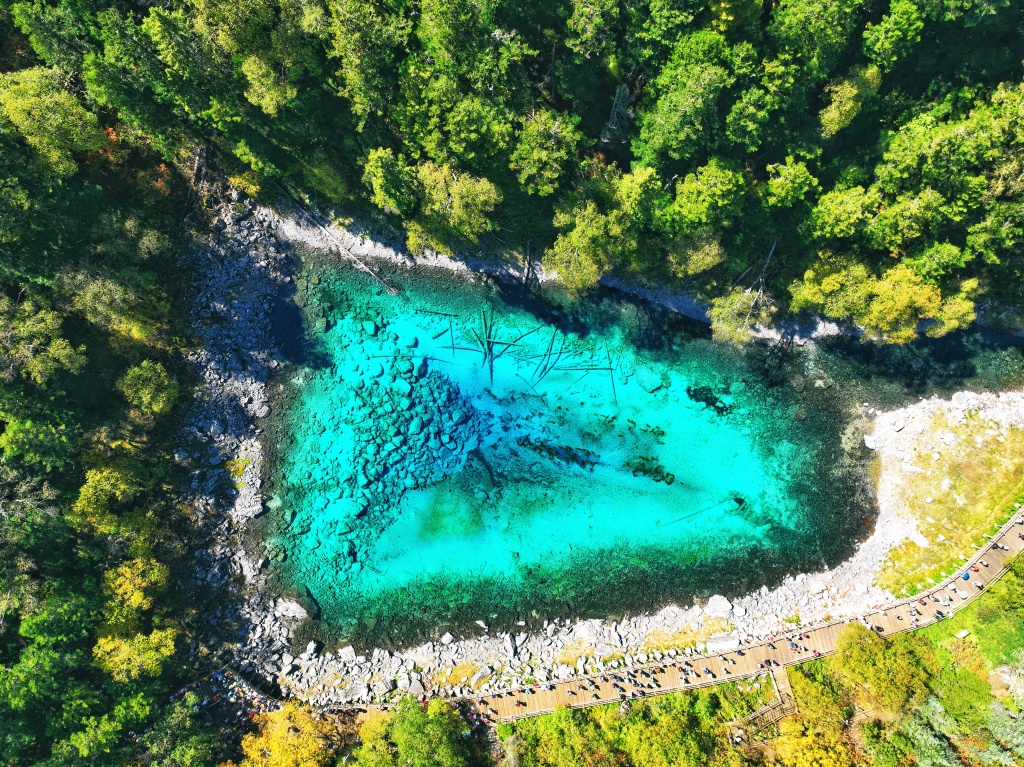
point(453, 454)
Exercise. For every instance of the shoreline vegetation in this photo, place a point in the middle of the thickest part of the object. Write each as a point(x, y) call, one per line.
point(952, 692)
point(358, 242)
point(858, 161)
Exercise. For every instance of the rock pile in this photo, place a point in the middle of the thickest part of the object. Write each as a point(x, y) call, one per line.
point(239, 271)
point(376, 425)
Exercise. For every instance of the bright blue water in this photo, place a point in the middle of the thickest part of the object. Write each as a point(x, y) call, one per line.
point(453, 454)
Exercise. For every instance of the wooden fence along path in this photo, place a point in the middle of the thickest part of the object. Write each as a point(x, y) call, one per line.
point(784, 705)
point(689, 671)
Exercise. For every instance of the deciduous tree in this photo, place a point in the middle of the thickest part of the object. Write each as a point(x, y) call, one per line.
point(31, 343)
point(49, 118)
point(132, 656)
point(453, 206)
point(289, 737)
point(391, 181)
point(546, 147)
point(149, 389)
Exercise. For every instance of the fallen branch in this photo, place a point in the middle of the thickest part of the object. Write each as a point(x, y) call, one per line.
point(391, 289)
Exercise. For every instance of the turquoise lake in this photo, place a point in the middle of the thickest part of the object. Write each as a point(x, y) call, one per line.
point(462, 452)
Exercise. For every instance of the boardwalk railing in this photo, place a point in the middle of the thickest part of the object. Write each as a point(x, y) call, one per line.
point(905, 615)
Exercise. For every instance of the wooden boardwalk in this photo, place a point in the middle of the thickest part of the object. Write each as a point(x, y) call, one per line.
point(757, 721)
point(782, 689)
point(691, 670)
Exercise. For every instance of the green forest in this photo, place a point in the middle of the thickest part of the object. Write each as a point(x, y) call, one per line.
point(858, 160)
point(861, 160)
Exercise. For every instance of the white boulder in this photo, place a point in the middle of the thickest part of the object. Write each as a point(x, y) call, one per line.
point(718, 607)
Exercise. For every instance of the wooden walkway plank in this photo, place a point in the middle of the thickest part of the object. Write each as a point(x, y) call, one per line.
point(694, 670)
point(782, 688)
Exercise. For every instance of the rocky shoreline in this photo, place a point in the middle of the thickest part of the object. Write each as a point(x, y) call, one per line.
point(241, 270)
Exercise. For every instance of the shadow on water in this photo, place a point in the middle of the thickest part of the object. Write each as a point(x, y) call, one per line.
point(895, 375)
point(652, 327)
point(287, 325)
point(927, 367)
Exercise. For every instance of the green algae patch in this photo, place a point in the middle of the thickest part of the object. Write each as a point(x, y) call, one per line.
point(452, 456)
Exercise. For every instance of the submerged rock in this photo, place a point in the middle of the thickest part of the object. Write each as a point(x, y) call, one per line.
point(649, 381)
point(289, 608)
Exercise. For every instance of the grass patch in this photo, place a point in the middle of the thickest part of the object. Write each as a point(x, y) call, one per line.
point(460, 674)
point(661, 640)
point(996, 629)
point(236, 470)
point(572, 652)
point(236, 467)
point(967, 492)
point(740, 699)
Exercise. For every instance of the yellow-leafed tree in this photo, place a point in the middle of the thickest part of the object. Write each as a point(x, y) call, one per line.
point(131, 587)
point(289, 737)
point(127, 658)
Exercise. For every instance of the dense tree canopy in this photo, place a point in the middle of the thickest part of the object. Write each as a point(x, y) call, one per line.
point(857, 160)
point(862, 144)
point(88, 636)
point(415, 735)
